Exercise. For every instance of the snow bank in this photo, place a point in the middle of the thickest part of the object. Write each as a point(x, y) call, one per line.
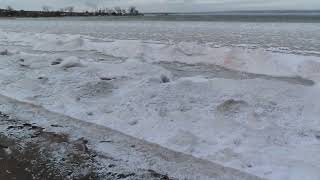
point(264, 125)
point(258, 61)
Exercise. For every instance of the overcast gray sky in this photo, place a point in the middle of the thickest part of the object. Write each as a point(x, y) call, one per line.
point(169, 5)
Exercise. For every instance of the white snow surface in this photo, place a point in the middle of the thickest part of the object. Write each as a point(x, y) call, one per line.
point(266, 127)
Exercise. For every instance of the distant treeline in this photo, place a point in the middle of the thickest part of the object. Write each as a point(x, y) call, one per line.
point(69, 11)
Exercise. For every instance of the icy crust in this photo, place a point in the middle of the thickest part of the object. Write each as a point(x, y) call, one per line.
point(269, 128)
point(260, 61)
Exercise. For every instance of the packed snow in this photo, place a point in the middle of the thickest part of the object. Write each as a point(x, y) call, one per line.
point(255, 110)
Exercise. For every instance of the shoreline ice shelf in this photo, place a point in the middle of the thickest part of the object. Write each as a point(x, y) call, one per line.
point(248, 108)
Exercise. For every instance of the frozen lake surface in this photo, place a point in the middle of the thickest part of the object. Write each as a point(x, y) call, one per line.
point(242, 94)
point(297, 37)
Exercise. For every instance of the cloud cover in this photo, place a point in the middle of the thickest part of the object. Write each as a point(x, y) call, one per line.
point(169, 5)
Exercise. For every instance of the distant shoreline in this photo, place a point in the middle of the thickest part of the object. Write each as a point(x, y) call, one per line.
point(230, 16)
point(10, 13)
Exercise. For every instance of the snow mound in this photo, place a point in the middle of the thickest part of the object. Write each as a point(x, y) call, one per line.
point(71, 62)
point(232, 106)
point(260, 61)
point(4, 52)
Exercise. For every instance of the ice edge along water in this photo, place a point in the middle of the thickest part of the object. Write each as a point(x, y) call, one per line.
point(266, 124)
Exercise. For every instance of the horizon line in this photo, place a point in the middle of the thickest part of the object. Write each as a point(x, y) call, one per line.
point(232, 11)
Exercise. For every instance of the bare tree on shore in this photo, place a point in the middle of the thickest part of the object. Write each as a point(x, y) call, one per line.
point(133, 10)
point(9, 8)
point(69, 9)
point(46, 8)
point(109, 11)
point(118, 10)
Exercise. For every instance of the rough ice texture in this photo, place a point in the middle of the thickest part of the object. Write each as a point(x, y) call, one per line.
point(250, 109)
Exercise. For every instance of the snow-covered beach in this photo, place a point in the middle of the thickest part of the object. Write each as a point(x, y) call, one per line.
point(254, 108)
